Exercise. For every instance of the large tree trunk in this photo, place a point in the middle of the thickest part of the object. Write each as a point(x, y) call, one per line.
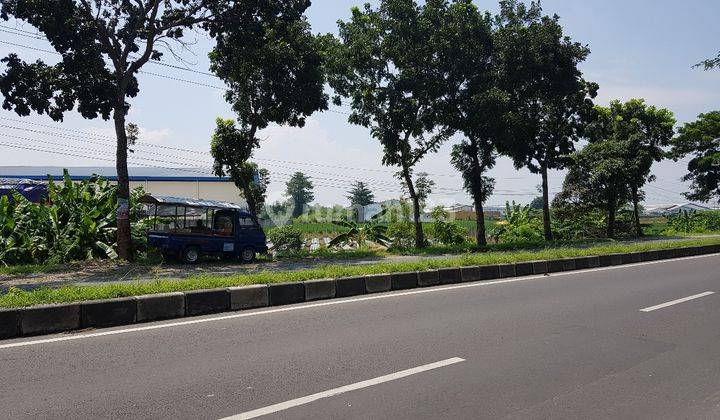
point(477, 193)
point(546, 204)
point(480, 235)
point(612, 210)
point(124, 237)
point(636, 211)
point(419, 235)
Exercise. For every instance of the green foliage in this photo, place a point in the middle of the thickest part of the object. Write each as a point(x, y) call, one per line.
point(552, 102)
point(695, 222)
point(537, 203)
point(77, 223)
point(446, 232)
point(299, 189)
point(597, 179)
point(520, 224)
point(274, 74)
point(700, 140)
point(286, 238)
point(360, 194)
point(232, 148)
point(384, 62)
point(400, 229)
point(360, 234)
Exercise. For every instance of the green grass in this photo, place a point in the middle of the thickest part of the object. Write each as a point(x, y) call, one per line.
point(17, 298)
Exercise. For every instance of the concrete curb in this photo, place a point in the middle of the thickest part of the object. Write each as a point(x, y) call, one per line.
point(489, 272)
point(249, 297)
point(450, 275)
point(162, 306)
point(468, 274)
point(208, 301)
point(319, 289)
point(286, 293)
point(428, 278)
point(378, 283)
point(350, 286)
point(9, 323)
point(48, 319)
point(403, 281)
point(108, 312)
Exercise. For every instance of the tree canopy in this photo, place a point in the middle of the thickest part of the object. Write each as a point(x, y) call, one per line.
point(473, 103)
point(360, 194)
point(103, 44)
point(597, 179)
point(551, 100)
point(641, 132)
point(382, 63)
point(700, 140)
point(299, 189)
point(232, 149)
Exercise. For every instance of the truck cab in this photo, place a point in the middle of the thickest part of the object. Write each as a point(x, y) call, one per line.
point(188, 229)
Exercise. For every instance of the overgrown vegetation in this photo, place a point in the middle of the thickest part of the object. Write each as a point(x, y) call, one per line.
point(76, 223)
point(695, 222)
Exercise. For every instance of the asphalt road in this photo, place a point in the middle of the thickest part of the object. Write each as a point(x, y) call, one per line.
point(636, 342)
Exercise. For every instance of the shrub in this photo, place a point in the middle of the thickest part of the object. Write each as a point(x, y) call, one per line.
point(444, 231)
point(521, 224)
point(286, 239)
point(695, 222)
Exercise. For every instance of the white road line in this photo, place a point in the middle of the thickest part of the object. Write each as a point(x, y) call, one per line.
point(675, 302)
point(390, 295)
point(341, 390)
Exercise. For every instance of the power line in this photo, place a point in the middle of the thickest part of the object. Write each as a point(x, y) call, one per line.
point(85, 133)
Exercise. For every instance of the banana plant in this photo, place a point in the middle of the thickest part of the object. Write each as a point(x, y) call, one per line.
point(360, 234)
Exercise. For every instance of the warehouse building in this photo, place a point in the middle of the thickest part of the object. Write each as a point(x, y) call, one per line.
point(189, 183)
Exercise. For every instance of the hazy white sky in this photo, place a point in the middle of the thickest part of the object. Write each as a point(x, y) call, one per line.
point(640, 48)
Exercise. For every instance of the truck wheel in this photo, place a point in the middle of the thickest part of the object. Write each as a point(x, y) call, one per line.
point(247, 255)
point(191, 255)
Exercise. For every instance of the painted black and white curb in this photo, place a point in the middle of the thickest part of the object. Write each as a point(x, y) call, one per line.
point(48, 319)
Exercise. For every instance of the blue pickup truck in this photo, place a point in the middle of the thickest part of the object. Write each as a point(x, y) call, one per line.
point(187, 229)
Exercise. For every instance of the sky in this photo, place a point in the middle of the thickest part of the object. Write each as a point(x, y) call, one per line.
point(639, 49)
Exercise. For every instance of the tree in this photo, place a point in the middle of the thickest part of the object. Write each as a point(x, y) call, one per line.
point(232, 149)
point(299, 189)
point(360, 194)
point(598, 179)
point(700, 139)
point(382, 63)
point(472, 103)
point(472, 159)
point(551, 101)
point(103, 44)
point(423, 187)
point(278, 80)
point(537, 203)
point(641, 132)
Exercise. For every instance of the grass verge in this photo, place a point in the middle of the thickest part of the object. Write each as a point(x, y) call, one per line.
point(16, 298)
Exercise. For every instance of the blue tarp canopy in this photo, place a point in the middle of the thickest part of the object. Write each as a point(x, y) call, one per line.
point(34, 191)
point(189, 202)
